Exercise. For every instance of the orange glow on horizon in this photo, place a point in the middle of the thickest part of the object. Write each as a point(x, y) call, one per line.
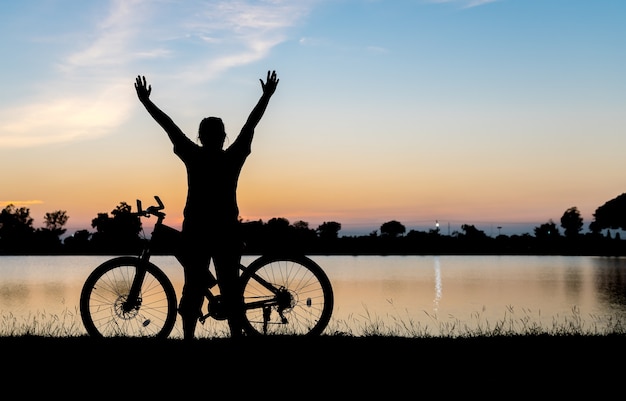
point(19, 203)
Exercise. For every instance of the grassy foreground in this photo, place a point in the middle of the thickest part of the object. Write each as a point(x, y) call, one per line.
point(50, 357)
point(323, 367)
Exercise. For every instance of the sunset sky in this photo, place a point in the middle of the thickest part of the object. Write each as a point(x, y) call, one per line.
point(496, 113)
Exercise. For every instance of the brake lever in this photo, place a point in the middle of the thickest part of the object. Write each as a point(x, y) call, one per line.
point(161, 206)
point(139, 209)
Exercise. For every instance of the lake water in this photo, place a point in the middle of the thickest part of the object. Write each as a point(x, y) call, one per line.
point(401, 295)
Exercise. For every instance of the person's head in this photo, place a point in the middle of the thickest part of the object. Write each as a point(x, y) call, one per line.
point(211, 133)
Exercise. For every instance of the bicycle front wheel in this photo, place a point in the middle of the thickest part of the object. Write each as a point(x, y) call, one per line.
point(107, 311)
point(286, 296)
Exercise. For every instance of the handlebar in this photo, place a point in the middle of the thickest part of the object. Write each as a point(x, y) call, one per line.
point(151, 210)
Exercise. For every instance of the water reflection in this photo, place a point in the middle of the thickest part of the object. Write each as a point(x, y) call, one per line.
point(392, 290)
point(482, 290)
point(437, 284)
point(610, 282)
point(12, 295)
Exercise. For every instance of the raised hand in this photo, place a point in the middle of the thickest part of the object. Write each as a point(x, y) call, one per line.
point(270, 85)
point(142, 88)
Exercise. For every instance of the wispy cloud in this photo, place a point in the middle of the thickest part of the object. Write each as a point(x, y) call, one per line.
point(377, 49)
point(55, 118)
point(88, 96)
point(476, 3)
point(464, 3)
point(238, 33)
point(112, 38)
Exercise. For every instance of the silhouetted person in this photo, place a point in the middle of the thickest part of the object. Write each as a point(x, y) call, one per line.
point(211, 226)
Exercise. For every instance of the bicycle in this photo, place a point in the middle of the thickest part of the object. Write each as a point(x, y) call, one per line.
point(129, 296)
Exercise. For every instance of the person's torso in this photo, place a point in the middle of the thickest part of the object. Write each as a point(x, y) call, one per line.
point(212, 179)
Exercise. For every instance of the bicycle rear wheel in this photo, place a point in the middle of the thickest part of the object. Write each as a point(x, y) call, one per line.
point(107, 311)
point(286, 296)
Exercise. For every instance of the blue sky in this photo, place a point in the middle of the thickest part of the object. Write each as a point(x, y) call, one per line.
point(497, 113)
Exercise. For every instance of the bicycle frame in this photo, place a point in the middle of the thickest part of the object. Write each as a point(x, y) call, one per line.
point(277, 300)
point(131, 296)
point(134, 299)
point(212, 298)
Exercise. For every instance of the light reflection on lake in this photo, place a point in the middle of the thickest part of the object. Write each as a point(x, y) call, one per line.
point(384, 292)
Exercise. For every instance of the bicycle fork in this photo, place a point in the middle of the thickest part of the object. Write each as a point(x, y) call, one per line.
point(133, 300)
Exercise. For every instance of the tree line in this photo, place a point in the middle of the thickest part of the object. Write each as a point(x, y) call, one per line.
point(121, 232)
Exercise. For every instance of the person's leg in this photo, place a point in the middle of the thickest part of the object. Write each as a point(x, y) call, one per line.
point(227, 271)
point(195, 261)
point(190, 304)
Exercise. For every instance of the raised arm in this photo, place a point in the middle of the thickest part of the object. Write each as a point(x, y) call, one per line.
point(172, 130)
point(269, 87)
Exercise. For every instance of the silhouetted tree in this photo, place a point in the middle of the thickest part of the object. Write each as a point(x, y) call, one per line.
point(547, 231)
point(572, 222)
point(55, 221)
point(119, 233)
point(16, 229)
point(300, 225)
point(48, 238)
point(302, 232)
point(276, 233)
point(611, 214)
point(101, 222)
point(392, 228)
point(278, 226)
point(78, 242)
point(329, 230)
point(472, 233)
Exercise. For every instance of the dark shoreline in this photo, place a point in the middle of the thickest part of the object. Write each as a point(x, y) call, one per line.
point(324, 366)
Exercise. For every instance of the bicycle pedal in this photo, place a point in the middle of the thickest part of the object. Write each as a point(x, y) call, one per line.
point(202, 319)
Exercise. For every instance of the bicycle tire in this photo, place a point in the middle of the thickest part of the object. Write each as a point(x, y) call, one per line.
point(107, 287)
point(310, 296)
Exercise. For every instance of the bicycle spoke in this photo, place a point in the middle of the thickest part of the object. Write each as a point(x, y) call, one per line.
point(107, 311)
point(300, 302)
